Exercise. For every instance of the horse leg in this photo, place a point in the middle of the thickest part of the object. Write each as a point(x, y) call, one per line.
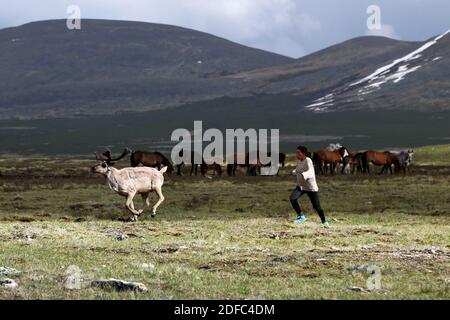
point(204, 169)
point(333, 167)
point(229, 170)
point(321, 164)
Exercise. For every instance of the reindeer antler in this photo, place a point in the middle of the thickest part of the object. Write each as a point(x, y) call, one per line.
point(107, 157)
point(101, 157)
point(125, 152)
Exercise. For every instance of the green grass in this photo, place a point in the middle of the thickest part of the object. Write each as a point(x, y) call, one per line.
point(438, 155)
point(225, 238)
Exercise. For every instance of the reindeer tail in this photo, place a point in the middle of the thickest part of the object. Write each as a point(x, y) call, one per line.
point(163, 169)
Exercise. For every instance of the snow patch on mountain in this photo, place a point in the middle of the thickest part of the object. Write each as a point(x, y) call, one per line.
point(323, 103)
point(394, 72)
point(409, 57)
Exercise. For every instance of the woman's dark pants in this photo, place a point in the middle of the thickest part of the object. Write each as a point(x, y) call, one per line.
point(313, 197)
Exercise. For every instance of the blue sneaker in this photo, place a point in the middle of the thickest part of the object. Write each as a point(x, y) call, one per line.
point(300, 219)
point(326, 224)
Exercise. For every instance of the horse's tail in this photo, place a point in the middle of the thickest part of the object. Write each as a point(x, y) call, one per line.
point(315, 158)
point(134, 162)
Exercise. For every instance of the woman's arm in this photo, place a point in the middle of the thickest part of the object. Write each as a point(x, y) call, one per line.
point(309, 172)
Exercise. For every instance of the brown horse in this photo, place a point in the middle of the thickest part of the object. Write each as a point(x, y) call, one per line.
point(204, 167)
point(385, 159)
point(215, 167)
point(323, 158)
point(251, 169)
point(353, 163)
point(150, 159)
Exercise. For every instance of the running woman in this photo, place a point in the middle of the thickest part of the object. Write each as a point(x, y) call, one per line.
point(306, 184)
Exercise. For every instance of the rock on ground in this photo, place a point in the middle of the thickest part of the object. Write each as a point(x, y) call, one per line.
point(6, 271)
point(119, 285)
point(8, 283)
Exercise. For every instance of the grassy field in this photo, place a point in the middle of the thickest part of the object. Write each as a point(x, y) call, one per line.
point(438, 155)
point(226, 238)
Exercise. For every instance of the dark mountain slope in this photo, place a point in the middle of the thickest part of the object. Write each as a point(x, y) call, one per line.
point(116, 65)
point(330, 67)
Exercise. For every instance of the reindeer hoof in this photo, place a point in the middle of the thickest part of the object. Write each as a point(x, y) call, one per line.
point(153, 215)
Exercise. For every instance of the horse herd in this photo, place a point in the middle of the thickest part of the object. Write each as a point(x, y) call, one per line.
point(359, 162)
point(331, 160)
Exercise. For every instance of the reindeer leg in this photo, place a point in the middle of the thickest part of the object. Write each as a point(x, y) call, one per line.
point(130, 206)
point(146, 199)
point(161, 199)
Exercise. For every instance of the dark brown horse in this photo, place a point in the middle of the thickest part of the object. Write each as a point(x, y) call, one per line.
point(353, 163)
point(150, 159)
point(215, 167)
point(324, 158)
point(204, 167)
point(251, 169)
point(385, 159)
point(282, 159)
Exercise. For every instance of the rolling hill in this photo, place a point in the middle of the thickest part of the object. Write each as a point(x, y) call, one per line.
point(111, 67)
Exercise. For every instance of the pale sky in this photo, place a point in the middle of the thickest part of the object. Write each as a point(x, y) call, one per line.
point(290, 27)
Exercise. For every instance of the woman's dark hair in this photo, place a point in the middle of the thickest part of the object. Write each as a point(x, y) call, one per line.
point(303, 149)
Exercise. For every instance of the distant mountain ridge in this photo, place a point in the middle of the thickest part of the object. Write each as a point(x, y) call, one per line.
point(121, 66)
point(112, 66)
point(427, 57)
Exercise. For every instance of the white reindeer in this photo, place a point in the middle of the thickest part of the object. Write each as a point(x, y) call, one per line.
point(131, 181)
